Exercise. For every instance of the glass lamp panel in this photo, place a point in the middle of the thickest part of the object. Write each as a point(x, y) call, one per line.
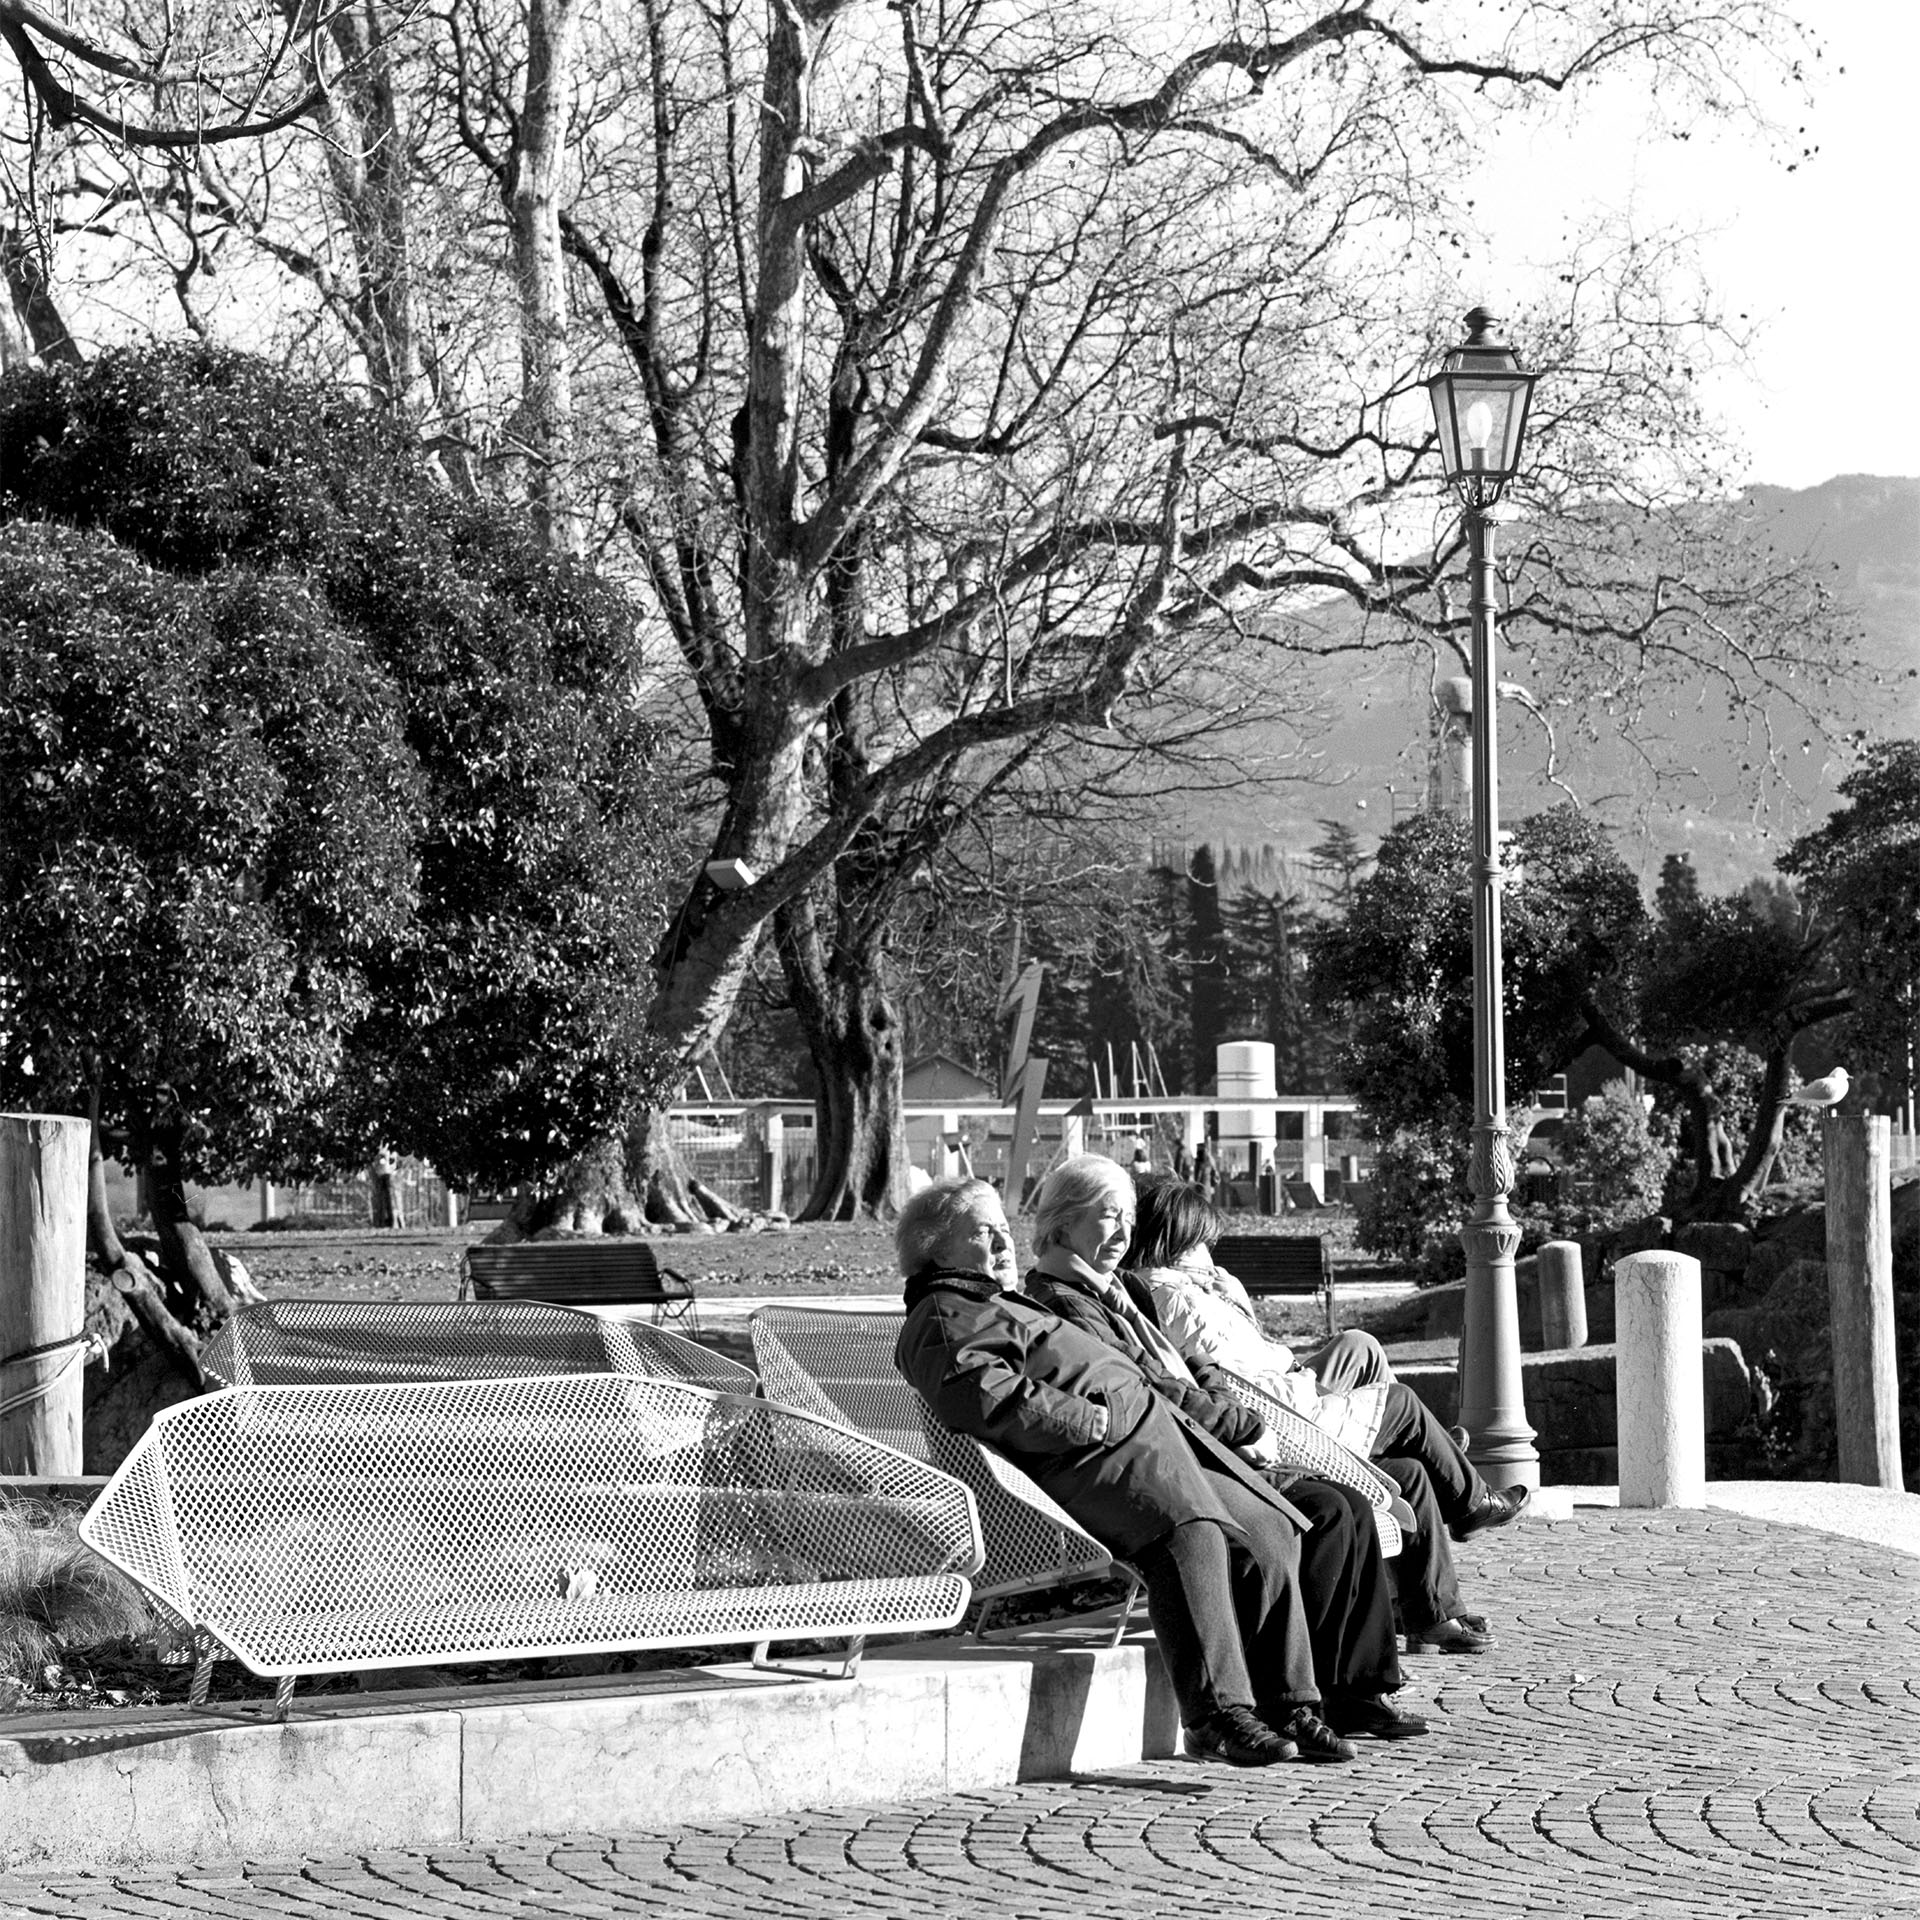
point(1446, 423)
point(1489, 413)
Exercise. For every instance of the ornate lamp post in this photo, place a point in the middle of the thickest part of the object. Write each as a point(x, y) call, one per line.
point(1480, 408)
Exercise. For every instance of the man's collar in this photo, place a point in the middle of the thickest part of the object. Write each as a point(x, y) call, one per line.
point(976, 1286)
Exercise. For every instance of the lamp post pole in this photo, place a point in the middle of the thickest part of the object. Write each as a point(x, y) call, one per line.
point(1492, 1408)
point(1480, 398)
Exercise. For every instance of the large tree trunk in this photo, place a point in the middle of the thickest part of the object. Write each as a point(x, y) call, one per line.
point(369, 160)
point(144, 1359)
point(853, 1034)
point(545, 418)
point(163, 1136)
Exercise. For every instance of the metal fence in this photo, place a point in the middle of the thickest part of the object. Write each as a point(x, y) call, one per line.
point(348, 1200)
point(726, 1148)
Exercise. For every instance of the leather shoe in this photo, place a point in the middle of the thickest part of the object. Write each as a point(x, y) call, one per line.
point(1491, 1510)
point(1373, 1715)
point(1458, 1635)
point(1240, 1737)
point(1317, 1742)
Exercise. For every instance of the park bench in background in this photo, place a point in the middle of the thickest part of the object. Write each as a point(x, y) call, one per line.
point(840, 1366)
point(1275, 1262)
point(288, 1343)
point(327, 1529)
point(1279, 1263)
point(619, 1270)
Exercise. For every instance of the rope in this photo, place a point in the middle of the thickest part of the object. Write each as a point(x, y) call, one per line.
point(46, 1346)
point(80, 1345)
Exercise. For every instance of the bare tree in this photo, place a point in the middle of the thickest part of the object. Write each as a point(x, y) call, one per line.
point(994, 361)
point(954, 375)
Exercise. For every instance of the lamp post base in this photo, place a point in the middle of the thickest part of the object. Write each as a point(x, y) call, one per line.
point(1492, 1408)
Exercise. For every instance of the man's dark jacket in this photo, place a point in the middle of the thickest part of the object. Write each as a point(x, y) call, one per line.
point(1010, 1372)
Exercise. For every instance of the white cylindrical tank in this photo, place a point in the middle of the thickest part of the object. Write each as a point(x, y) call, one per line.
point(1245, 1072)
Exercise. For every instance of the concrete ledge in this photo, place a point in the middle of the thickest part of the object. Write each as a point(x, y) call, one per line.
point(501, 1763)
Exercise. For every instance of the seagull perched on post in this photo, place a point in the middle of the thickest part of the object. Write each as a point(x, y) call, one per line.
point(1828, 1091)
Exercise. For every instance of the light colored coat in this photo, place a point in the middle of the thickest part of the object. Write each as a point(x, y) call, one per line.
point(1207, 1314)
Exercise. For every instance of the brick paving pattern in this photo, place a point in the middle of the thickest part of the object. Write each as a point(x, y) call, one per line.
point(1685, 1715)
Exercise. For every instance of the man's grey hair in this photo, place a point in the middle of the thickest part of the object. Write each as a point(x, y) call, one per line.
point(1070, 1189)
point(930, 1215)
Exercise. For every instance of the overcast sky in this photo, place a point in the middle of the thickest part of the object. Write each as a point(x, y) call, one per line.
point(1825, 256)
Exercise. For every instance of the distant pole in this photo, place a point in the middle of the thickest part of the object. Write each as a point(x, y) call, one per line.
point(1866, 1389)
point(43, 1269)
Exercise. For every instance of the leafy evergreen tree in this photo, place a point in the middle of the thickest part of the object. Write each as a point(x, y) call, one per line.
point(1339, 861)
point(1207, 966)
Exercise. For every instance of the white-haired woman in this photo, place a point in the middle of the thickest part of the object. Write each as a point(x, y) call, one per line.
point(1082, 1223)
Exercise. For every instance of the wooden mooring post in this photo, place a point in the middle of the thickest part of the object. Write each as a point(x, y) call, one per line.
point(43, 1269)
point(1866, 1388)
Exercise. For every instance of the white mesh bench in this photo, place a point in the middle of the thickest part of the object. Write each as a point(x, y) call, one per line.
point(325, 1529)
point(339, 1343)
point(614, 1270)
point(840, 1366)
point(1304, 1449)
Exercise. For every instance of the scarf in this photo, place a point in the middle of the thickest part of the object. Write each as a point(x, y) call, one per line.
point(1147, 1344)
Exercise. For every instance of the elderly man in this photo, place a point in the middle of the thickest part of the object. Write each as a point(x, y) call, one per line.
point(1247, 1587)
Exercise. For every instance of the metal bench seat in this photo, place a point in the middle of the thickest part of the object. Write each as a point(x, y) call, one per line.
point(322, 1529)
point(840, 1366)
point(290, 1343)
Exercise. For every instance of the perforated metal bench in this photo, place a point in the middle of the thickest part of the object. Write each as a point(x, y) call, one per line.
point(840, 1366)
point(616, 1271)
point(287, 1343)
point(1304, 1449)
point(324, 1529)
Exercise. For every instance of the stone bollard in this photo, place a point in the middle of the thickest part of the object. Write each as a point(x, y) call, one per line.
point(1660, 1399)
point(1563, 1296)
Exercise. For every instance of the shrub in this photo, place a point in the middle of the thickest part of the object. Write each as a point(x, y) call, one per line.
point(1416, 1200)
point(57, 1594)
point(1615, 1160)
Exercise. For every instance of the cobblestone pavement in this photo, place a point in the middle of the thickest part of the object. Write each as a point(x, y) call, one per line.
point(1686, 1715)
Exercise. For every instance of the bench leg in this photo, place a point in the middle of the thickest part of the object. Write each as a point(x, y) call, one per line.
point(283, 1696)
point(849, 1664)
point(1125, 1619)
point(205, 1653)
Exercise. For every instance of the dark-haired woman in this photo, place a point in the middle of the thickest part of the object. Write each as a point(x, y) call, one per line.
point(1347, 1389)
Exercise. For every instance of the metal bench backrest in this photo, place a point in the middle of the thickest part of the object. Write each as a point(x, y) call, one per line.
point(618, 1270)
point(1306, 1450)
point(840, 1365)
point(1275, 1263)
point(287, 1343)
point(316, 1529)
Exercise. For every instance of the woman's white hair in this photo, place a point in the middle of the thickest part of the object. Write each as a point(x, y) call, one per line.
point(928, 1216)
point(1070, 1189)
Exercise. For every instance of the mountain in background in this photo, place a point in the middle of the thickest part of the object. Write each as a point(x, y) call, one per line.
point(1359, 749)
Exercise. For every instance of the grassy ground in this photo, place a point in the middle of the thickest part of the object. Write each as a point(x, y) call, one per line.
point(813, 1259)
point(805, 1260)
